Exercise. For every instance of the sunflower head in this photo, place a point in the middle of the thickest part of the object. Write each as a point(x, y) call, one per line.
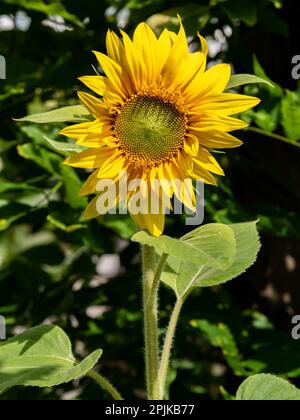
point(157, 114)
point(150, 130)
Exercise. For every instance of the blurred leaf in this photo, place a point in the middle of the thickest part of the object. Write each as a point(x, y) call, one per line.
point(58, 221)
point(124, 226)
point(268, 118)
point(220, 336)
point(73, 185)
point(272, 87)
point(41, 156)
point(6, 145)
point(244, 79)
point(267, 388)
point(290, 110)
point(272, 22)
point(52, 9)
point(63, 147)
point(11, 212)
point(241, 10)
point(42, 357)
point(76, 113)
point(194, 18)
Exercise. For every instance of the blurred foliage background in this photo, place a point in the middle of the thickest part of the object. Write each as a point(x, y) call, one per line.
point(84, 277)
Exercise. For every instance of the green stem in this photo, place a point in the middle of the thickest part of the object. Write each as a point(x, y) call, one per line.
point(151, 280)
point(166, 353)
point(105, 384)
point(273, 136)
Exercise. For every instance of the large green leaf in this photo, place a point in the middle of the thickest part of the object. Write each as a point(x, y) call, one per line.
point(267, 387)
point(290, 110)
point(212, 244)
point(245, 79)
point(42, 356)
point(76, 113)
point(182, 276)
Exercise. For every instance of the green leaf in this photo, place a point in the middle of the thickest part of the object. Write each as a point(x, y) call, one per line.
point(183, 276)
point(55, 8)
point(10, 213)
point(56, 220)
point(245, 79)
point(76, 113)
point(73, 185)
point(290, 111)
point(212, 244)
point(241, 10)
point(63, 147)
point(41, 156)
point(42, 356)
point(123, 225)
point(267, 117)
point(221, 336)
point(194, 18)
point(276, 90)
point(267, 388)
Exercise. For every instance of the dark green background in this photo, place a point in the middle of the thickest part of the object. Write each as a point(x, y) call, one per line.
point(48, 253)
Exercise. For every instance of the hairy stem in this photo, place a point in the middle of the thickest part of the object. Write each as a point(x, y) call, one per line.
point(151, 280)
point(105, 384)
point(166, 353)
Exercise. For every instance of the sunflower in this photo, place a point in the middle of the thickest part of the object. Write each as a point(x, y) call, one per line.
point(157, 116)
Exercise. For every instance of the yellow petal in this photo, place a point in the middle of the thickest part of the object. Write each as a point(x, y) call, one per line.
point(114, 72)
point(133, 61)
point(94, 105)
point(191, 145)
point(212, 81)
point(138, 220)
point(96, 139)
point(204, 45)
point(76, 131)
point(218, 140)
point(146, 43)
point(202, 123)
point(154, 223)
point(178, 52)
point(93, 158)
point(199, 173)
point(114, 46)
point(90, 185)
point(112, 167)
point(185, 163)
point(206, 161)
point(188, 197)
point(95, 83)
point(226, 104)
point(91, 211)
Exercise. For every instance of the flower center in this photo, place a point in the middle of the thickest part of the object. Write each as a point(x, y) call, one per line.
point(150, 130)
